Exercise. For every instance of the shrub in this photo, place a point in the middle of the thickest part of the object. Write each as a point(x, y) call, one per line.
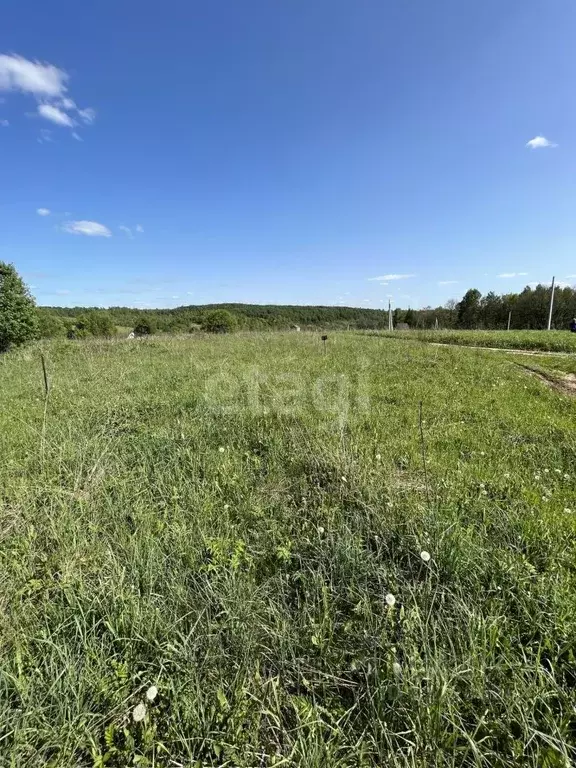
point(219, 321)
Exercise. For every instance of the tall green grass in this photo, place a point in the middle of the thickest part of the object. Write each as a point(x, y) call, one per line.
point(224, 519)
point(546, 341)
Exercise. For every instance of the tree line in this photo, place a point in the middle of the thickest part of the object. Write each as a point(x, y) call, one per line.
point(21, 320)
point(527, 310)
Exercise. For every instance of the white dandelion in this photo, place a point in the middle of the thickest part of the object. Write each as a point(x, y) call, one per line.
point(397, 669)
point(221, 449)
point(426, 556)
point(390, 600)
point(151, 693)
point(139, 713)
point(536, 477)
point(321, 530)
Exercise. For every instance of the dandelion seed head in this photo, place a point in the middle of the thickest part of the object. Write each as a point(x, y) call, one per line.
point(139, 713)
point(536, 477)
point(221, 449)
point(397, 669)
point(151, 693)
point(390, 600)
point(426, 556)
point(321, 530)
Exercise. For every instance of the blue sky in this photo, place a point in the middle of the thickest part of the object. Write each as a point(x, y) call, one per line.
point(287, 151)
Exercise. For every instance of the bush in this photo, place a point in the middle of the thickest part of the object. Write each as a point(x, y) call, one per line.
point(219, 321)
point(144, 328)
point(18, 319)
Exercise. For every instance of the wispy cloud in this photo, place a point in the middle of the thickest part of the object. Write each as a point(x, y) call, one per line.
point(540, 142)
point(387, 278)
point(87, 115)
point(129, 231)
point(55, 115)
point(548, 283)
point(48, 85)
point(45, 136)
point(4, 123)
point(89, 228)
point(512, 274)
point(43, 211)
point(447, 282)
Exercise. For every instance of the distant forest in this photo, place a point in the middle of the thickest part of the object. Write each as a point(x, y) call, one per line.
point(529, 310)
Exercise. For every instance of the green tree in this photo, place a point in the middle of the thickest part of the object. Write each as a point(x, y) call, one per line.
point(469, 309)
point(219, 321)
point(50, 325)
point(96, 324)
point(18, 319)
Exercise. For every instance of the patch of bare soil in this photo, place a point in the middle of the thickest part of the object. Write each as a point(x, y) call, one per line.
point(566, 383)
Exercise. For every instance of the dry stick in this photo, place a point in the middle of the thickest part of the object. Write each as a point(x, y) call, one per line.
point(423, 448)
point(46, 394)
point(46, 382)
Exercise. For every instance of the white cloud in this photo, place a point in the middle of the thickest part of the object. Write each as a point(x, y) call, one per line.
point(75, 136)
point(386, 278)
point(56, 115)
point(127, 231)
point(47, 84)
point(512, 274)
point(447, 282)
point(90, 228)
point(540, 142)
point(4, 123)
point(43, 211)
point(139, 228)
point(41, 80)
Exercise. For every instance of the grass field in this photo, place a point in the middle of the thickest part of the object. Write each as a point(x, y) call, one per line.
point(546, 341)
point(244, 522)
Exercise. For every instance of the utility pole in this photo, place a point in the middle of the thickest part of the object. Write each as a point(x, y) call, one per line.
point(551, 303)
point(509, 319)
point(390, 323)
